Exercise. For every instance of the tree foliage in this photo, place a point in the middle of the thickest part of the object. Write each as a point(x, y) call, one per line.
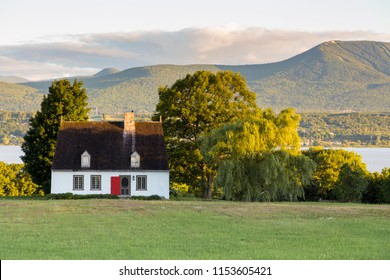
point(258, 157)
point(351, 184)
point(259, 131)
point(378, 188)
point(267, 176)
point(385, 185)
point(336, 168)
point(15, 181)
point(65, 101)
point(193, 106)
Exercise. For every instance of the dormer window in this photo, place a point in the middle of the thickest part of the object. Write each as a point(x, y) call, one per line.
point(135, 160)
point(85, 160)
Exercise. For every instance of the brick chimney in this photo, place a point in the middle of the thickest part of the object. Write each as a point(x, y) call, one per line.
point(129, 129)
point(129, 125)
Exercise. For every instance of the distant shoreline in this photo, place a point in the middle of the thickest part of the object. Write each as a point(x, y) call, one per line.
point(376, 158)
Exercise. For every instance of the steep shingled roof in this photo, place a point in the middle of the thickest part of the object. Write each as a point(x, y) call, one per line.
point(109, 147)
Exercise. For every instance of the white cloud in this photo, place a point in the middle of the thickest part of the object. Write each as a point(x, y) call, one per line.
point(35, 71)
point(89, 53)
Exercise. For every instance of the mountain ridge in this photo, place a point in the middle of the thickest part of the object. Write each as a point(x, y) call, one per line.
point(106, 72)
point(331, 77)
point(12, 79)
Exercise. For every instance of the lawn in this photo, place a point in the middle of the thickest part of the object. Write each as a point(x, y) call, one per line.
point(194, 230)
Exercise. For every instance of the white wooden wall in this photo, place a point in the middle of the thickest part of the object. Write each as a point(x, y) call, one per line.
point(157, 182)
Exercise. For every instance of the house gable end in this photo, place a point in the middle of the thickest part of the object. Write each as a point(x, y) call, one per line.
point(135, 160)
point(85, 160)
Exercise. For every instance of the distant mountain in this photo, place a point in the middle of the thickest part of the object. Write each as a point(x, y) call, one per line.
point(132, 89)
point(12, 79)
point(334, 76)
point(331, 77)
point(106, 72)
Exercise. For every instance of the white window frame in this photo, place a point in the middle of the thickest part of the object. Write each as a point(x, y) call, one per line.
point(141, 183)
point(78, 182)
point(96, 182)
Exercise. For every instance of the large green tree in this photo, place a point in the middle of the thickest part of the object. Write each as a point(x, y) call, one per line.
point(258, 158)
point(65, 101)
point(193, 106)
point(335, 167)
point(351, 184)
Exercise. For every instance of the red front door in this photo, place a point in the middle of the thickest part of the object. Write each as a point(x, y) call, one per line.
point(116, 185)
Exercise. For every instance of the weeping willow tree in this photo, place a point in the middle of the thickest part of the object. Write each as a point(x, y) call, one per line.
point(258, 158)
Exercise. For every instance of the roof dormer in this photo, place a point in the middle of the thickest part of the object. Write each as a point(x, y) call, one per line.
point(135, 160)
point(85, 160)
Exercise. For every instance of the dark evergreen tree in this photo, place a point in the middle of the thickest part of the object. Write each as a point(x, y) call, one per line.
point(64, 102)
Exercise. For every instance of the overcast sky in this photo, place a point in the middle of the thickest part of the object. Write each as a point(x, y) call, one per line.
point(44, 39)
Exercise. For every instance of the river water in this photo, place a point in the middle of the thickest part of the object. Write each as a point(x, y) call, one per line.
point(11, 154)
point(375, 158)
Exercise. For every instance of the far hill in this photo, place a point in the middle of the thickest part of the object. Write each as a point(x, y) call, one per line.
point(19, 98)
point(106, 71)
point(331, 77)
point(12, 79)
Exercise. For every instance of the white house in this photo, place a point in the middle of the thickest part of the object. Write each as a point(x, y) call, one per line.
point(122, 158)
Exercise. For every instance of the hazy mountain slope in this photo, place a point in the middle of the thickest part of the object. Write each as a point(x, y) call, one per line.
point(12, 79)
point(136, 88)
point(18, 98)
point(333, 76)
point(106, 71)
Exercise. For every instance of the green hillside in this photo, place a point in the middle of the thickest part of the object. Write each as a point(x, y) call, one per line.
point(331, 77)
point(19, 98)
point(12, 79)
point(139, 93)
point(334, 76)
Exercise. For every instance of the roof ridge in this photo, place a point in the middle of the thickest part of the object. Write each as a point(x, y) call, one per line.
point(103, 121)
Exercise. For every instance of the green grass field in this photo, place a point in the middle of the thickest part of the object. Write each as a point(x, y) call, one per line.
point(199, 230)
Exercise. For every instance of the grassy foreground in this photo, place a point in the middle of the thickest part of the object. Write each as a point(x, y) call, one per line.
point(201, 230)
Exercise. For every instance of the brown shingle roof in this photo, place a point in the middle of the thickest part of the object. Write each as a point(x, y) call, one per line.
point(109, 147)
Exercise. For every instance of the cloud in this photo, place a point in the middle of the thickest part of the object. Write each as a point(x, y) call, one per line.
point(87, 54)
point(35, 71)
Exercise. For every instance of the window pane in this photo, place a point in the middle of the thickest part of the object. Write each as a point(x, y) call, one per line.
point(78, 182)
point(141, 183)
point(125, 182)
point(95, 182)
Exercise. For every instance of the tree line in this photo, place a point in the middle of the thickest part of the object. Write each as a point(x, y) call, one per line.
point(342, 175)
point(13, 127)
point(347, 129)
